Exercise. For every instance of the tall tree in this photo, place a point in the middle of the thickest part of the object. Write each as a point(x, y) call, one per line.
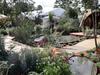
point(71, 7)
point(14, 7)
point(95, 2)
point(39, 9)
point(87, 4)
point(38, 19)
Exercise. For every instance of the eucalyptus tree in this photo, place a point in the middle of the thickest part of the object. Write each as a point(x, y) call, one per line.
point(38, 19)
point(87, 4)
point(13, 8)
point(39, 7)
point(72, 10)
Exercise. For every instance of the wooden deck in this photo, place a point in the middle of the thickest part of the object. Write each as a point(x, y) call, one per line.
point(80, 34)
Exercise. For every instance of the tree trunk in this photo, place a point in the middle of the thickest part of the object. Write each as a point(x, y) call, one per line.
point(95, 31)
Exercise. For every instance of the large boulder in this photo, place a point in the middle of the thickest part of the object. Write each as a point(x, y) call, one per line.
point(82, 66)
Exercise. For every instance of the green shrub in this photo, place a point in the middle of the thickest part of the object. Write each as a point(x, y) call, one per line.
point(3, 22)
point(4, 32)
point(11, 32)
point(47, 66)
point(88, 32)
point(3, 67)
point(39, 62)
point(29, 57)
point(57, 67)
point(95, 59)
point(68, 26)
point(23, 32)
point(98, 64)
point(3, 53)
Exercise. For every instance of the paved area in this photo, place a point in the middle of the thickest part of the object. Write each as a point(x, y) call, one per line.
point(83, 46)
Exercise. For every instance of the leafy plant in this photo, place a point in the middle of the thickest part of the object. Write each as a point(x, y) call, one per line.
point(3, 53)
point(95, 59)
point(57, 67)
point(69, 25)
point(3, 67)
point(72, 13)
point(23, 32)
point(98, 64)
point(4, 32)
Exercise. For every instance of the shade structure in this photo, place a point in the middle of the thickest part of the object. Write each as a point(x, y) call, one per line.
point(89, 17)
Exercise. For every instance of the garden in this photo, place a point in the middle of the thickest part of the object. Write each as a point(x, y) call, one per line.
point(48, 37)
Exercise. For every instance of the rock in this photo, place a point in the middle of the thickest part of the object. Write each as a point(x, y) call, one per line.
point(82, 66)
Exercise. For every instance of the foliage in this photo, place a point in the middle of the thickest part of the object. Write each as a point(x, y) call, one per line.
point(3, 67)
point(35, 62)
point(38, 20)
point(67, 4)
point(15, 66)
point(30, 58)
point(41, 63)
point(51, 39)
point(21, 7)
point(71, 25)
point(57, 67)
point(70, 22)
point(3, 22)
point(3, 53)
point(23, 32)
point(5, 9)
point(11, 32)
point(50, 17)
point(88, 4)
point(37, 30)
point(39, 7)
point(88, 32)
point(72, 13)
point(14, 8)
point(51, 21)
point(3, 32)
point(98, 64)
point(62, 3)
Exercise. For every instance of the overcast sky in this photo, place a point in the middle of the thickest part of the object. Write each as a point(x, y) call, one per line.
point(45, 3)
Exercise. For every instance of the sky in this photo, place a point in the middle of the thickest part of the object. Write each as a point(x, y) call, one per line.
point(45, 3)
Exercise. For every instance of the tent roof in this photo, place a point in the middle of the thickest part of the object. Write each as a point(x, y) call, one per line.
point(85, 15)
point(55, 11)
point(87, 19)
